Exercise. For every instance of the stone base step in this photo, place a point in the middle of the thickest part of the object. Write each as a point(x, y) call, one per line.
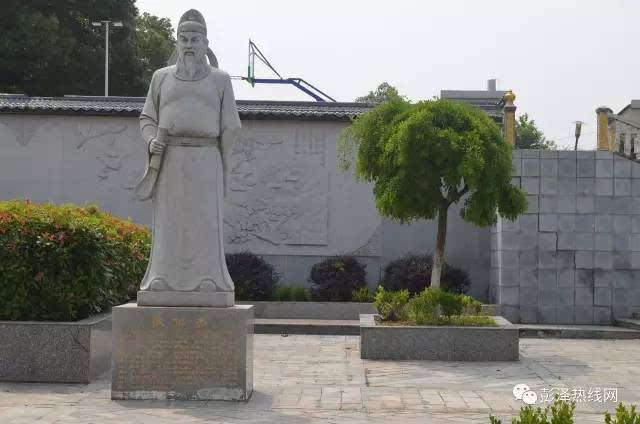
point(632, 323)
point(544, 331)
point(307, 326)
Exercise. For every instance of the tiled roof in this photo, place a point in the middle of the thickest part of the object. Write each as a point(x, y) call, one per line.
point(132, 106)
point(489, 101)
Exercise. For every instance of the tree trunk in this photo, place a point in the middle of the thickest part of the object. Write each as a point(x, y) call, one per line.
point(438, 257)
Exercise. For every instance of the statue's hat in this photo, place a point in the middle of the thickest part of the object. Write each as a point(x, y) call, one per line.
point(192, 21)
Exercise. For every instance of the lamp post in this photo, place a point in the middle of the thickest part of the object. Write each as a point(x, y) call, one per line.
point(106, 51)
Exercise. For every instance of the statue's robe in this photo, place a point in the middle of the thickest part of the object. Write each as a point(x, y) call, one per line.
point(188, 247)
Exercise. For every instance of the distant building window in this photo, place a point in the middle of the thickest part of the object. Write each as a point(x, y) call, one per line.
point(621, 143)
point(632, 141)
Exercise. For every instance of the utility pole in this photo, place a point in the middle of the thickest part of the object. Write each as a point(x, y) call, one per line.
point(106, 51)
point(577, 133)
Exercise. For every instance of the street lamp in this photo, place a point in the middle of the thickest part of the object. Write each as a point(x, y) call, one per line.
point(106, 51)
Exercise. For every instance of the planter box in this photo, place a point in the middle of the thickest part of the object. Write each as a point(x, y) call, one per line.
point(444, 343)
point(310, 310)
point(55, 352)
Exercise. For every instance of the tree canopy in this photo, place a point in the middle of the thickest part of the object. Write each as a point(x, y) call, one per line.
point(528, 136)
point(423, 157)
point(50, 48)
point(383, 93)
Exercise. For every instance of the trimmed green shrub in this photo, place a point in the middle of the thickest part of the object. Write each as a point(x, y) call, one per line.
point(440, 307)
point(291, 294)
point(253, 277)
point(335, 279)
point(413, 272)
point(65, 263)
point(391, 305)
point(362, 295)
point(560, 412)
point(623, 415)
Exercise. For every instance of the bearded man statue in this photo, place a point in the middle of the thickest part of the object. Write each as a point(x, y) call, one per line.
point(192, 105)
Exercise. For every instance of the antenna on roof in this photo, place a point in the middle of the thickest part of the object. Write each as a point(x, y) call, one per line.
point(301, 84)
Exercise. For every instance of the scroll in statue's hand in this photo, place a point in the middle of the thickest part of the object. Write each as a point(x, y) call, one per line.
point(156, 147)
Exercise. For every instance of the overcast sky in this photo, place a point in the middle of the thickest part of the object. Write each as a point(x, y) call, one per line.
point(562, 58)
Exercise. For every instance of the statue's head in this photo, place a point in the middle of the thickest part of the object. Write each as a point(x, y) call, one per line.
point(192, 44)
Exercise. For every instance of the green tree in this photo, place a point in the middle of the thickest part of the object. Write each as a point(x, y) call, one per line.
point(383, 93)
point(528, 136)
point(424, 157)
point(154, 43)
point(50, 48)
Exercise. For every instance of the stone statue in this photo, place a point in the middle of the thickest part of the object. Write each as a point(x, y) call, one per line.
point(190, 123)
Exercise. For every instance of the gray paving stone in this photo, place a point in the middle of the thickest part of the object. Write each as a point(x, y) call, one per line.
point(530, 167)
point(603, 260)
point(604, 223)
point(547, 279)
point(529, 278)
point(584, 260)
point(622, 168)
point(602, 315)
point(566, 204)
point(585, 223)
point(603, 241)
point(565, 315)
point(622, 186)
point(621, 205)
point(528, 241)
point(547, 260)
point(566, 277)
point(529, 223)
point(548, 222)
point(584, 296)
point(586, 168)
point(585, 204)
point(604, 168)
point(531, 185)
point(566, 222)
point(622, 242)
point(621, 260)
point(549, 167)
point(584, 277)
point(549, 185)
point(566, 259)
point(604, 186)
point(532, 204)
point(566, 241)
point(528, 259)
point(567, 186)
point(584, 241)
point(567, 167)
point(548, 204)
point(583, 314)
point(547, 314)
point(585, 186)
point(548, 241)
point(605, 204)
point(602, 296)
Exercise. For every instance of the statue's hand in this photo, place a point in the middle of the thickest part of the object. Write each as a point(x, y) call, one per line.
point(156, 147)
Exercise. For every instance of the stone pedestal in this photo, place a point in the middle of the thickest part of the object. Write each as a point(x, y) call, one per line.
point(185, 353)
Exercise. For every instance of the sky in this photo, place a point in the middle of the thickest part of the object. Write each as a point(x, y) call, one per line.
point(562, 58)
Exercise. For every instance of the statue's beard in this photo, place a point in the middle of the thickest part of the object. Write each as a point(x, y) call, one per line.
point(191, 65)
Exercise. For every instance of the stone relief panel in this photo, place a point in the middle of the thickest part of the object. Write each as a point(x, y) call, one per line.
point(279, 189)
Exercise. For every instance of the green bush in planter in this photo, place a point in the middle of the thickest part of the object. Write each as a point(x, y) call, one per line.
point(65, 263)
point(292, 293)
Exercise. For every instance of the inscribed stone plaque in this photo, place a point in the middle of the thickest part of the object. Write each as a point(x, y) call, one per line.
point(184, 353)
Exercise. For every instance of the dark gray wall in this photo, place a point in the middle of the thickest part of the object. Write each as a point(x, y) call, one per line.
point(574, 258)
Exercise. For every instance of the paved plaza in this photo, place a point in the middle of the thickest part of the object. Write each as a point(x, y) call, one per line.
point(321, 379)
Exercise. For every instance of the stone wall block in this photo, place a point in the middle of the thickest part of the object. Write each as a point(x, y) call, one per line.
point(567, 167)
point(586, 168)
point(604, 168)
point(530, 167)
